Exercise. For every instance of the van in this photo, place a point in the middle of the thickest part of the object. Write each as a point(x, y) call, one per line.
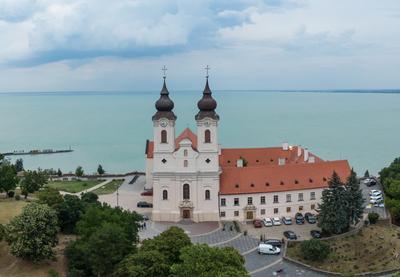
point(268, 249)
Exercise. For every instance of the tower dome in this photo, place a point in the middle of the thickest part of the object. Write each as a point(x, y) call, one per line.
point(164, 105)
point(207, 104)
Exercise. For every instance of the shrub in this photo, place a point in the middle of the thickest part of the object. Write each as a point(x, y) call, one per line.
point(17, 197)
point(11, 193)
point(314, 250)
point(53, 273)
point(373, 217)
point(2, 232)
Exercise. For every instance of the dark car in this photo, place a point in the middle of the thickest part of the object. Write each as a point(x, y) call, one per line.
point(290, 235)
point(311, 218)
point(315, 234)
point(147, 193)
point(144, 204)
point(299, 218)
point(371, 183)
point(273, 242)
point(257, 223)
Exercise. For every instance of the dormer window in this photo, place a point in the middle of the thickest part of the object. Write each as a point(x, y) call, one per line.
point(311, 180)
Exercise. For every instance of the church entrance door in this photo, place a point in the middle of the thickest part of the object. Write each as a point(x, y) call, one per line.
point(249, 215)
point(186, 214)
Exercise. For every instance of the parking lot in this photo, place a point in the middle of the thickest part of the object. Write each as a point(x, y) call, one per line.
point(369, 207)
point(276, 232)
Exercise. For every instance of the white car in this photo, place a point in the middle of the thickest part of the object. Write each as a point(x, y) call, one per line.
point(267, 222)
point(375, 196)
point(379, 205)
point(376, 200)
point(276, 221)
point(268, 249)
point(366, 181)
point(375, 192)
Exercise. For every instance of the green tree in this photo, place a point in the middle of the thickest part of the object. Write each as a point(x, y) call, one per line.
point(50, 196)
point(79, 171)
point(355, 200)
point(205, 261)
point(373, 217)
point(390, 172)
point(143, 264)
point(314, 250)
point(333, 210)
point(392, 188)
point(69, 213)
point(169, 243)
point(394, 208)
point(366, 174)
point(8, 176)
point(19, 165)
point(33, 181)
point(89, 197)
point(59, 173)
point(100, 170)
point(33, 234)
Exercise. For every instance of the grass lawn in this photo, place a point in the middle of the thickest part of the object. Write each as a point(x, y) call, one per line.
point(12, 266)
point(109, 187)
point(73, 186)
point(375, 248)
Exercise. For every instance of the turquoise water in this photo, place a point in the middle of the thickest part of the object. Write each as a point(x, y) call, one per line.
point(111, 128)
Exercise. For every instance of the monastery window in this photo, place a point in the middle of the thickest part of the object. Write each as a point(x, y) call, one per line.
point(324, 179)
point(236, 201)
point(300, 208)
point(282, 183)
point(236, 213)
point(223, 202)
point(276, 210)
point(301, 197)
point(222, 214)
point(207, 194)
point(311, 180)
point(262, 211)
point(252, 185)
point(249, 200)
point(237, 186)
point(262, 200)
point(185, 152)
point(163, 136)
point(312, 206)
point(267, 184)
point(276, 198)
point(185, 163)
point(207, 136)
point(288, 198)
point(165, 195)
point(296, 182)
point(186, 192)
point(229, 161)
point(288, 209)
point(312, 195)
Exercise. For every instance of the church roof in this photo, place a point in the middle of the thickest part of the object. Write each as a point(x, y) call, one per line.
point(275, 178)
point(207, 105)
point(164, 105)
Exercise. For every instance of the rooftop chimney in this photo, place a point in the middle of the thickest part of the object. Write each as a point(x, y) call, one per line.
point(239, 163)
point(311, 159)
point(285, 146)
point(299, 151)
point(281, 161)
point(305, 154)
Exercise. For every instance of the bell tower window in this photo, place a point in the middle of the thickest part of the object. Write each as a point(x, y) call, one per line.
point(165, 194)
point(163, 136)
point(185, 163)
point(207, 194)
point(207, 136)
point(186, 192)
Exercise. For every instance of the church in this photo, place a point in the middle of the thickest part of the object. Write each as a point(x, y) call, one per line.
point(194, 178)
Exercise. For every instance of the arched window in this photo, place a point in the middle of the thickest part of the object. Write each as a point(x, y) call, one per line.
point(186, 192)
point(207, 136)
point(207, 194)
point(185, 163)
point(185, 152)
point(165, 194)
point(163, 136)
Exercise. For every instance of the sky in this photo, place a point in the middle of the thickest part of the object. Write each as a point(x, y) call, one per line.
point(121, 45)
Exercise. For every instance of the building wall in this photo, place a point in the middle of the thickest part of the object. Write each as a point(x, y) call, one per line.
point(269, 206)
point(149, 173)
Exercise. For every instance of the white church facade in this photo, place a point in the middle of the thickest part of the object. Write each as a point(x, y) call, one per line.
point(192, 177)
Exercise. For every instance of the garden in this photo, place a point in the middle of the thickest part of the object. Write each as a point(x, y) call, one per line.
point(73, 186)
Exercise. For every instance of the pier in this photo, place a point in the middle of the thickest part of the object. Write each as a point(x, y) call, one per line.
point(37, 152)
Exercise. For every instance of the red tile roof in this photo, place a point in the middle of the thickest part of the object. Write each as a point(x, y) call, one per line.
point(274, 178)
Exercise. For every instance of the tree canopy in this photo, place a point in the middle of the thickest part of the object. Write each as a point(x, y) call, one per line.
point(33, 181)
point(390, 179)
point(100, 170)
point(314, 250)
point(32, 234)
point(50, 196)
point(355, 200)
point(79, 171)
point(8, 176)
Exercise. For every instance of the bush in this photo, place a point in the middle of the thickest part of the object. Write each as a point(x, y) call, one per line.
point(53, 273)
point(11, 193)
point(314, 250)
point(373, 217)
point(2, 232)
point(17, 197)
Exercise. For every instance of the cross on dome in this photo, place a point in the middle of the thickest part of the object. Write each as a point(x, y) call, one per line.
point(164, 69)
point(207, 68)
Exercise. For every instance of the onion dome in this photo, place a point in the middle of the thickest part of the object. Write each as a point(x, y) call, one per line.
point(207, 105)
point(164, 105)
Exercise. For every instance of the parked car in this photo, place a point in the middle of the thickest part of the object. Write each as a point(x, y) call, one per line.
point(310, 218)
point(375, 192)
point(371, 183)
point(290, 235)
point(268, 249)
point(144, 204)
point(276, 221)
point(366, 181)
point(257, 223)
point(376, 200)
point(273, 242)
point(315, 234)
point(267, 222)
point(287, 220)
point(147, 193)
point(299, 218)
